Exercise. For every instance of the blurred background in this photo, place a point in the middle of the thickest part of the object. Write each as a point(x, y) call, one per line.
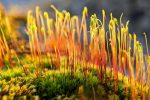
point(136, 11)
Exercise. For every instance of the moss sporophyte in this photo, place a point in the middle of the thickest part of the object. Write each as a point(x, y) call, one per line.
point(64, 45)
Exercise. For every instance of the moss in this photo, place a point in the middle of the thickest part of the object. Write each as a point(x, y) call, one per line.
point(65, 66)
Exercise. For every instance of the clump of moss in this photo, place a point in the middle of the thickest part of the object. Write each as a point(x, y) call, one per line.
point(65, 59)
